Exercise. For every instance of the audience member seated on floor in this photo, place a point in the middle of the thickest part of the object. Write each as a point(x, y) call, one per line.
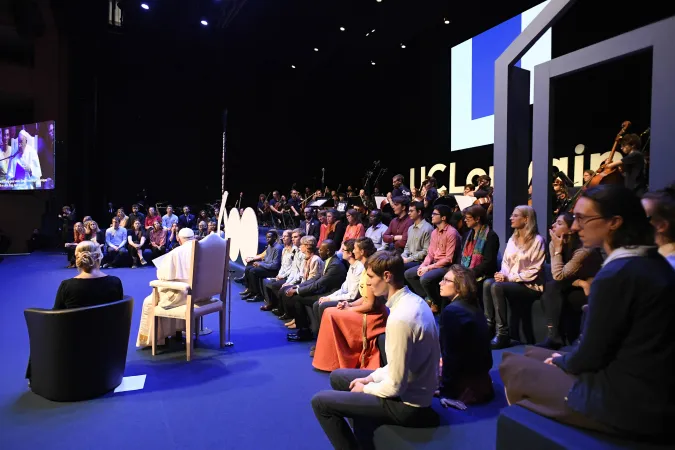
point(312, 269)
point(169, 218)
point(134, 216)
point(174, 266)
point(136, 243)
point(172, 237)
point(157, 242)
point(187, 220)
point(481, 246)
point(90, 287)
point(348, 333)
point(287, 255)
point(401, 392)
point(310, 225)
point(309, 292)
point(465, 342)
point(355, 228)
point(262, 266)
point(520, 278)
point(79, 235)
point(376, 230)
point(619, 380)
point(336, 227)
point(151, 218)
point(202, 230)
point(445, 242)
point(123, 217)
point(94, 234)
point(660, 208)
point(115, 241)
point(573, 267)
point(419, 237)
point(325, 228)
point(272, 287)
point(396, 235)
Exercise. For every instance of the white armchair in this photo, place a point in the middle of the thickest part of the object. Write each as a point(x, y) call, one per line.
point(206, 290)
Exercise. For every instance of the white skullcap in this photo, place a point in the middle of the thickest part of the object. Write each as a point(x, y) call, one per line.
point(25, 134)
point(186, 233)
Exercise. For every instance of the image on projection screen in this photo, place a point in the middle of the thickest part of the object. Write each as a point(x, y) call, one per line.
point(27, 156)
point(472, 83)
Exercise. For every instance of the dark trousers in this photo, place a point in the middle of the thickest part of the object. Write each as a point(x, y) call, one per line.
point(555, 295)
point(428, 285)
point(368, 411)
point(287, 304)
point(116, 258)
point(271, 289)
point(153, 252)
point(495, 296)
point(70, 254)
point(255, 276)
point(301, 314)
point(411, 264)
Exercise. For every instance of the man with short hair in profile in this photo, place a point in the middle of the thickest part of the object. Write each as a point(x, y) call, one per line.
point(399, 393)
point(419, 237)
point(116, 243)
point(169, 218)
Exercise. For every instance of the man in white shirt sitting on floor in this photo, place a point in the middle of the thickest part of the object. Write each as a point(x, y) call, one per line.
point(401, 392)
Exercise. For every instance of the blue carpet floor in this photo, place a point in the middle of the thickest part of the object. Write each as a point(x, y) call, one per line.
point(255, 395)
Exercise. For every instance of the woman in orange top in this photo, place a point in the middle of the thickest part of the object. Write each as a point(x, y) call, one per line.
point(325, 229)
point(79, 235)
point(355, 228)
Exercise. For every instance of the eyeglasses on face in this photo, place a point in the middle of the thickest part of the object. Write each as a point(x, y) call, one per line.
point(435, 213)
point(582, 220)
point(445, 280)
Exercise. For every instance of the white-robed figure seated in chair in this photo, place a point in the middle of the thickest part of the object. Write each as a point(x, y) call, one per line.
point(173, 266)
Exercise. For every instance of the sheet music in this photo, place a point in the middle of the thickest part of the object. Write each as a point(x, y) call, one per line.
point(464, 201)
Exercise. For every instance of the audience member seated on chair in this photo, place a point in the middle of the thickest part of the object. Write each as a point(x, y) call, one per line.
point(619, 379)
point(573, 267)
point(660, 208)
point(213, 229)
point(151, 218)
point(133, 217)
point(376, 229)
point(90, 287)
point(172, 237)
point(396, 235)
point(174, 266)
point(445, 241)
point(136, 242)
point(202, 230)
point(94, 234)
point(310, 226)
point(520, 278)
point(481, 246)
point(401, 392)
point(157, 239)
point(355, 228)
point(465, 342)
point(347, 338)
point(262, 266)
point(334, 274)
point(116, 241)
point(79, 235)
point(324, 229)
point(169, 218)
point(336, 228)
point(312, 269)
point(272, 288)
point(419, 237)
point(287, 255)
point(187, 220)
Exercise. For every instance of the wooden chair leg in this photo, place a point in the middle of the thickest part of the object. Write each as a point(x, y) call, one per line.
point(221, 316)
point(188, 339)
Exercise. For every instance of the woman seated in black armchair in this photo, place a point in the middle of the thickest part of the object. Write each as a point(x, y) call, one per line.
point(619, 379)
point(573, 267)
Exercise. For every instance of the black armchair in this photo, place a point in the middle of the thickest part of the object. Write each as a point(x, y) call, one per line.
point(78, 354)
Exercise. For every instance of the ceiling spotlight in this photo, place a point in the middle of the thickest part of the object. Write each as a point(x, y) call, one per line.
point(145, 6)
point(372, 63)
point(316, 49)
point(204, 22)
point(402, 45)
point(342, 28)
point(446, 21)
point(367, 34)
point(373, 30)
point(378, 1)
point(292, 66)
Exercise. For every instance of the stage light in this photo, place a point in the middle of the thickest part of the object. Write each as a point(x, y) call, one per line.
point(145, 6)
point(367, 34)
point(378, 1)
point(204, 22)
point(373, 30)
point(402, 45)
point(372, 63)
point(316, 49)
point(342, 28)
point(446, 21)
point(292, 66)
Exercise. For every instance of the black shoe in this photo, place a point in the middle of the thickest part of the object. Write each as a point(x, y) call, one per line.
point(248, 296)
point(255, 299)
point(500, 341)
point(277, 312)
point(240, 280)
point(550, 343)
point(285, 317)
point(245, 292)
point(300, 336)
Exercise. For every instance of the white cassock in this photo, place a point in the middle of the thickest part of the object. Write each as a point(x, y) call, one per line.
point(173, 266)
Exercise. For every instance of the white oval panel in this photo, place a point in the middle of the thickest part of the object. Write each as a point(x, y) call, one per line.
point(248, 232)
point(232, 232)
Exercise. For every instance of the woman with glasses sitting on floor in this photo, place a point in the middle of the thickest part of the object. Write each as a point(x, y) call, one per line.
point(619, 379)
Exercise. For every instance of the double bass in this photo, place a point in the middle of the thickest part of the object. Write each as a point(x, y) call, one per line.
point(605, 175)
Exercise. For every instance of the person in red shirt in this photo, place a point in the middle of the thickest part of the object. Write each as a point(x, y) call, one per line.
point(151, 218)
point(445, 242)
point(397, 233)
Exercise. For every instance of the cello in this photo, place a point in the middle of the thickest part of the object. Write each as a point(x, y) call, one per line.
point(605, 175)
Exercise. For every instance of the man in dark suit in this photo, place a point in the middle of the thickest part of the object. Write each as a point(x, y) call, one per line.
point(187, 220)
point(334, 274)
point(311, 226)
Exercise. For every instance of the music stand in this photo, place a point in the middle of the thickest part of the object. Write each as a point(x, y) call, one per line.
point(318, 203)
point(464, 201)
point(355, 201)
point(330, 203)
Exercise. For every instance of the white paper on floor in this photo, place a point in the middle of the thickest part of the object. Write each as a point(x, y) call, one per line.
point(134, 383)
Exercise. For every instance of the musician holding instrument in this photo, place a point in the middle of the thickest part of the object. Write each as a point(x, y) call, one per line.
point(633, 164)
point(400, 189)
